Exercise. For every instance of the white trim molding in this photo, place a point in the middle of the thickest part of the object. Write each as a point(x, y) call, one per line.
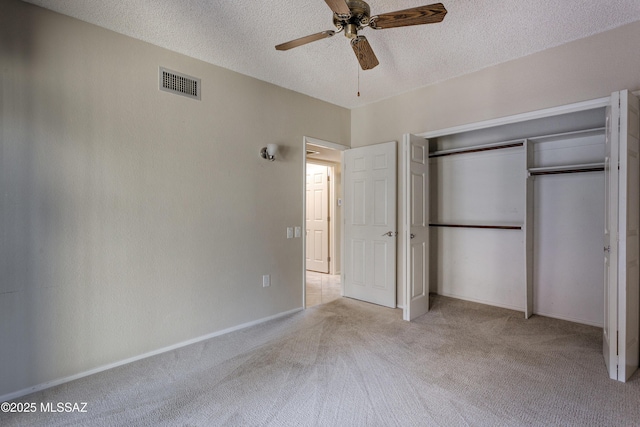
point(532, 115)
point(327, 144)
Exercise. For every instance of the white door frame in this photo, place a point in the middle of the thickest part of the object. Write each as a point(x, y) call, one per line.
point(516, 118)
point(334, 146)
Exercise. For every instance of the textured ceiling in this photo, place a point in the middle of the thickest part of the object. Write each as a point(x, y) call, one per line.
point(241, 34)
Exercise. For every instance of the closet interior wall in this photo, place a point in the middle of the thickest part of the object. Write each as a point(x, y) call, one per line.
point(510, 227)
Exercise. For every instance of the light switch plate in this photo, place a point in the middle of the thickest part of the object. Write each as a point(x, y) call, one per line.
point(289, 232)
point(298, 232)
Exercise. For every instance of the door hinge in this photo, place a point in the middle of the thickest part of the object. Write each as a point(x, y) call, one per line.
point(328, 219)
point(328, 259)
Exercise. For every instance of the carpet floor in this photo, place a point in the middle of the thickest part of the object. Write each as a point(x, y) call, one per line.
point(349, 363)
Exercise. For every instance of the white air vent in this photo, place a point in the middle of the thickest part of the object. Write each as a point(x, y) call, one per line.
point(178, 83)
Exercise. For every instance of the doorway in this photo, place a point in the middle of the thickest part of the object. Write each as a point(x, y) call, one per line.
point(322, 239)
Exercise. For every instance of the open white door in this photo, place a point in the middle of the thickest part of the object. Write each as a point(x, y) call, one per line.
point(317, 218)
point(370, 223)
point(416, 226)
point(629, 244)
point(621, 244)
point(610, 328)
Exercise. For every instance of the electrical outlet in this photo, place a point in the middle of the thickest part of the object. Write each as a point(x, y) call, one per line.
point(298, 232)
point(266, 280)
point(289, 232)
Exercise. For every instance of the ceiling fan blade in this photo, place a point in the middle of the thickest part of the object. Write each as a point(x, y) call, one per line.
point(304, 40)
point(430, 14)
point(339, 7)
point(364, 53)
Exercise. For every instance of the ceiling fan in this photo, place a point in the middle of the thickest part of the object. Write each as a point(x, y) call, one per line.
point(354, 15)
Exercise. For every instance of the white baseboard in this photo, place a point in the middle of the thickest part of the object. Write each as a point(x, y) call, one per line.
point(568, 318)
point(535, 312)
point(49, 384)
point(485, 302)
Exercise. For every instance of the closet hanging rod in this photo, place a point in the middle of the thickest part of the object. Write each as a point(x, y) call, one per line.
point(495, 227)
point(478, 148)
point(554, 170)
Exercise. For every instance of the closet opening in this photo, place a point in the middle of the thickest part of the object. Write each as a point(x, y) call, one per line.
point(539, 213)
point(517, 208)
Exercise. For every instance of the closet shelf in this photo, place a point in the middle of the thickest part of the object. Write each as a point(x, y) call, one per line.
point(486, 226)
point(567, 135)
point(552, 170)
point(478, 148)
point(519, 142)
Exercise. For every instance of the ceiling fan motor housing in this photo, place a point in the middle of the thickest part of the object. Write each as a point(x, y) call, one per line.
point(360, 14)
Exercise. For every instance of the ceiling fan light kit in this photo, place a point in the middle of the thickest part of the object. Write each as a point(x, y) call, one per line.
point(352, 16)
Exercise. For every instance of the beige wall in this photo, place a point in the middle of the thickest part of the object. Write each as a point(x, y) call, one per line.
point(132, 219)
point(582, 70)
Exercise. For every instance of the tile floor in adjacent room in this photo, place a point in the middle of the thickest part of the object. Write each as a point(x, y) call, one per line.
point(322, 288)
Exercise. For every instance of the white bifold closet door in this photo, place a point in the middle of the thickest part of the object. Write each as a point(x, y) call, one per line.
point(621, 239)
point(416, 225)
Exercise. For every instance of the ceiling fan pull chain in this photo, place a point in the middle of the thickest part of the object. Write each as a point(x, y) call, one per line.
point(358, 80)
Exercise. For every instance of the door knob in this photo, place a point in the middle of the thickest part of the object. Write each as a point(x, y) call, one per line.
point(607, 249)
point(390, 233)
point(412, 235)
